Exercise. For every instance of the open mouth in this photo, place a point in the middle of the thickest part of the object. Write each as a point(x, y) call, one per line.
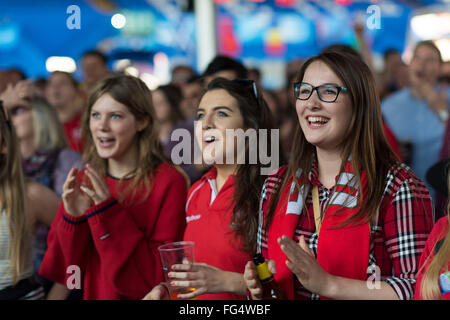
point(106, 142)
point(317, 121)
point(209, 139)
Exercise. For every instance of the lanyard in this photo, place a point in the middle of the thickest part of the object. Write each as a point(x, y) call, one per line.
point(316, 207)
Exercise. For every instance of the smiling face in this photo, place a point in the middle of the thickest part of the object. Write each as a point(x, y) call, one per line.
point(217, 112)
point(114, 129)
point(324, 124)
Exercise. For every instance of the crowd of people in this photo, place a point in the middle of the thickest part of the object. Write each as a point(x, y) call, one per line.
point(88, 180)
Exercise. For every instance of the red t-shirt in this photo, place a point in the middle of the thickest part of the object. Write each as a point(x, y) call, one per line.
point(115, 246)
point(208, 217)
point(437, 235)
point(72, 129)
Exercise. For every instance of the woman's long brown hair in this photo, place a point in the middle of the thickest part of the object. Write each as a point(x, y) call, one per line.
point(248, 178)
point(13, 197)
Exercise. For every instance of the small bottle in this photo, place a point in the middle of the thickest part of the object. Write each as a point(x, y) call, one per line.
point(271, 289)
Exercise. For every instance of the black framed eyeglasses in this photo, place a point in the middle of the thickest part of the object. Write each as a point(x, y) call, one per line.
point(326, 92)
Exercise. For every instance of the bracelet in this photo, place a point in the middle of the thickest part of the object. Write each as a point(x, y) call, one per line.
point(443, 115)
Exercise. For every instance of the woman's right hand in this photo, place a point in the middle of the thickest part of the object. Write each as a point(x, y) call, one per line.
point(159, 292)
point(75, 201)
point(252, 280)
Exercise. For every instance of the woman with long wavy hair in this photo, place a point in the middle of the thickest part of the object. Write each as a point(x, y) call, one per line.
point(128, 201)
point(22, 206)
point(433, 280)
point(222, 207)
point(344, 219)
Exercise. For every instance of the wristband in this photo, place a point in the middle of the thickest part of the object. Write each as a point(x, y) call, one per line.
point(443, 115)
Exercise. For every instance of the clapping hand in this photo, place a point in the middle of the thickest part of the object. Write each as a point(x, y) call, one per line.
point(305, 266)
point(75, 202)
point(97, 191)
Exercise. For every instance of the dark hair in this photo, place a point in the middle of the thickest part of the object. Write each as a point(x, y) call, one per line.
point(182, 67)
point(344, 48)
point(18, 71)
point(429, 44)
point(390, 52)
point(256, 71)
point(249, 181)
point(69, 76)
point(174, 96)
point(195, 79)
point(222, 63)
point(97, 54)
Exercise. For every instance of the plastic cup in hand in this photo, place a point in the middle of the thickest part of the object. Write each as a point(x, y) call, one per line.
point(181, 252)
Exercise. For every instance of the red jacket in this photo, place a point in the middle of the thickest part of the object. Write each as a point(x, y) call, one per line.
point(116, 246)
point(209, 226)
point(438, 233)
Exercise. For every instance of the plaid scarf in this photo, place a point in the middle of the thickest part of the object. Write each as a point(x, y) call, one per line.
point(40, 165)
point(342, 251)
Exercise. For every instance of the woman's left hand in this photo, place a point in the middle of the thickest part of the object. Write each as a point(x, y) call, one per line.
point(201, 276)
point(305, 266)
point(99, 191)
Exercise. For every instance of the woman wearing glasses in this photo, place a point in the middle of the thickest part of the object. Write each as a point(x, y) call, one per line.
point(344, 220)
point(222, 207)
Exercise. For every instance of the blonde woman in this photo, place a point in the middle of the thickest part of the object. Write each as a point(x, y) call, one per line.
point(128, 201)
point(49, 143)
point(433, 280)
point(22, 206)
point(46, 158)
